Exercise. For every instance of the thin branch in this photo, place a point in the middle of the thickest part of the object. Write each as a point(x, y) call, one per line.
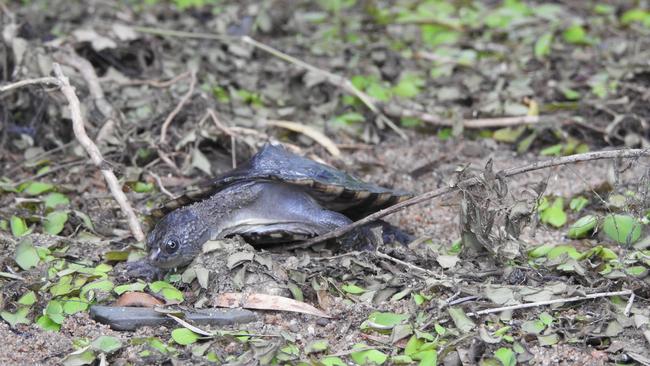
point(628, 307)
point(48, 80)
point(179, 107)
point(88, 73)
point(554, 301)
point(406, 264)
point(332, 78)
point(95, 154)
point(153, 82)
point(612, 154)
point(433, 119)
point(162, 188)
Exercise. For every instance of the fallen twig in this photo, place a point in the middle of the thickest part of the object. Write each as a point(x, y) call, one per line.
point(88, 73)
point(162, 188)
point(407, 264)
point(628, 307)
point(95, 154)
point(467, 123)
point(152, 82)
point(19, 84)
point(550, 302)
point(612, 154)
point(178, 108)
point(332, 78)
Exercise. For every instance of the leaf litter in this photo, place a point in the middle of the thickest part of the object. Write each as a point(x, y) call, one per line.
point(417, 312)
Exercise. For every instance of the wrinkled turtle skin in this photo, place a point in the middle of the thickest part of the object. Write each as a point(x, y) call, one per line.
point(276, 197)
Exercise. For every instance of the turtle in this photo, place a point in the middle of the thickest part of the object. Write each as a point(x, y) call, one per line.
point(275, 197)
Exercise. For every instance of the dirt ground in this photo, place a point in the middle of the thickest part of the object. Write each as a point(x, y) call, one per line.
point(169, 110)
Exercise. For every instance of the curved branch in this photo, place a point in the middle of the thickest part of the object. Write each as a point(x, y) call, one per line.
point(599, 155)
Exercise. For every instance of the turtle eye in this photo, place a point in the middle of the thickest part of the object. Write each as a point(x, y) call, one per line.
point(171, 246)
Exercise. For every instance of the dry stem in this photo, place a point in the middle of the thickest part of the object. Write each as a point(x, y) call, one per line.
point(95, 154)
point(612, 154)
point(332, 78)
point(467, 123)
point(554, 301)
point(21, 83)
point(178, 108)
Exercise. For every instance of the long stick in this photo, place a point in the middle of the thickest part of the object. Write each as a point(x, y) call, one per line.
point(332, 78)
point(554, 301)
point(612, 154)
point(95, 154)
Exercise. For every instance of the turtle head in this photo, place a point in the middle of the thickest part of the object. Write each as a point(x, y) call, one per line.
point(176, 239)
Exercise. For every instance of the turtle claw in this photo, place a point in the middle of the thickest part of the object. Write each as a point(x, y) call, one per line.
point(143, 269)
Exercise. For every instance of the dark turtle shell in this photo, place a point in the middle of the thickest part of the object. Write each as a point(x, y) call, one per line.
point(333, 189)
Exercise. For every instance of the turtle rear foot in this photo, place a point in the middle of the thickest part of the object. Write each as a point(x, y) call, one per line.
point(370, 236)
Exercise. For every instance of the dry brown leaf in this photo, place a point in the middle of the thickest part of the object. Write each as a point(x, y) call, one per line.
point(265, 302)
point(138, 299)
point(310, 132)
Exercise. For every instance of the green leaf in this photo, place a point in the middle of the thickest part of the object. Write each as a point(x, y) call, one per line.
point(401, 360)
point(409, 122)
point(99, 285)
point(543, 45)
point(506, 356)
point(434, 35)
point(166, 290)
point(548, 340)
point(582, 227)
point(350, 118)
point(55, 199)
point(561, 250)
point(578, 203)
point(623, 229)
point(46, 323)
point(26, 255)
point(570, 94)
point(379, 92)
point(84, 356)
point(413, 345)
point(554, 215)
point(636, 15)
point(540, 251)
point(318, 345)
point(333, 361)
point(36, 188)
point(62, 287)
point(368, 357)
point(604, 9)
point(184, 336)
point(637, 271)
point(142, 187)
point(19, 317)
point(106, 344)
point(54, 222)
point(74, 305)
point(385, 320)
point(29, 298)
point(575, 34)
point(18, 226)
point(54, 311)
point(85, 219)
point(546, 318)
point(408, 86)
point(460, 319)
point(137, 286)
point(353, 289)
